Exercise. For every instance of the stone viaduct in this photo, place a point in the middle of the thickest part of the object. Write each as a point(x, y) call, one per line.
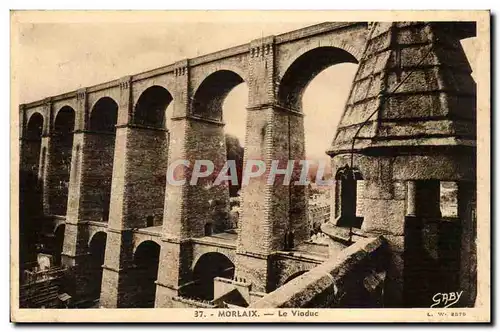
point(97, 159)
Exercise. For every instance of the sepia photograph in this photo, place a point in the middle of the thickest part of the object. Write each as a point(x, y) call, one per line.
point(250, 166)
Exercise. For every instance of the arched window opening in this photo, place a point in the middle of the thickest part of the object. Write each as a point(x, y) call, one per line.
point(346, 197)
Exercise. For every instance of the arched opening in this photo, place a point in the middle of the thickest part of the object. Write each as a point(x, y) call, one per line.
point(97, 248)
point(303, 70)
point(103, 116)
point(211, 93)
point(209, 266)
point(30, 190)
point(146, 260)
point(221, 99)
point(58, 244)
point(347, 197)
point(317, 84)
point(99, 158)
point(150, 155)
point(61, 148)
point(32, 143)
point(151, 107)
point(293, 276)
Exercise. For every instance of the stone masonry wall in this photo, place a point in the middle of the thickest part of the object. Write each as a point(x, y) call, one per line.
point(96, 174)
point(206, 202)
point(146, 169)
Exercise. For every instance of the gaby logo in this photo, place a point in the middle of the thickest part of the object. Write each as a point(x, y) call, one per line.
point(182, 171)
point(446, 300)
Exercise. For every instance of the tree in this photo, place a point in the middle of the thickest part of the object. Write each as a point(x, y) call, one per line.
point(234, 151)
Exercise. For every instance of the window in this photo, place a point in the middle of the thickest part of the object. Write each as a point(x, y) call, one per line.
point(428, 198)
point(347, 179)
point(149, 221)
point(208, 229)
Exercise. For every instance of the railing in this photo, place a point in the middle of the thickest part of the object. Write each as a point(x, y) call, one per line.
point(193, 303)
point(31, 277)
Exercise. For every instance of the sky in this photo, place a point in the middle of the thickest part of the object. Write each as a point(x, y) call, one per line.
point(62, 57)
